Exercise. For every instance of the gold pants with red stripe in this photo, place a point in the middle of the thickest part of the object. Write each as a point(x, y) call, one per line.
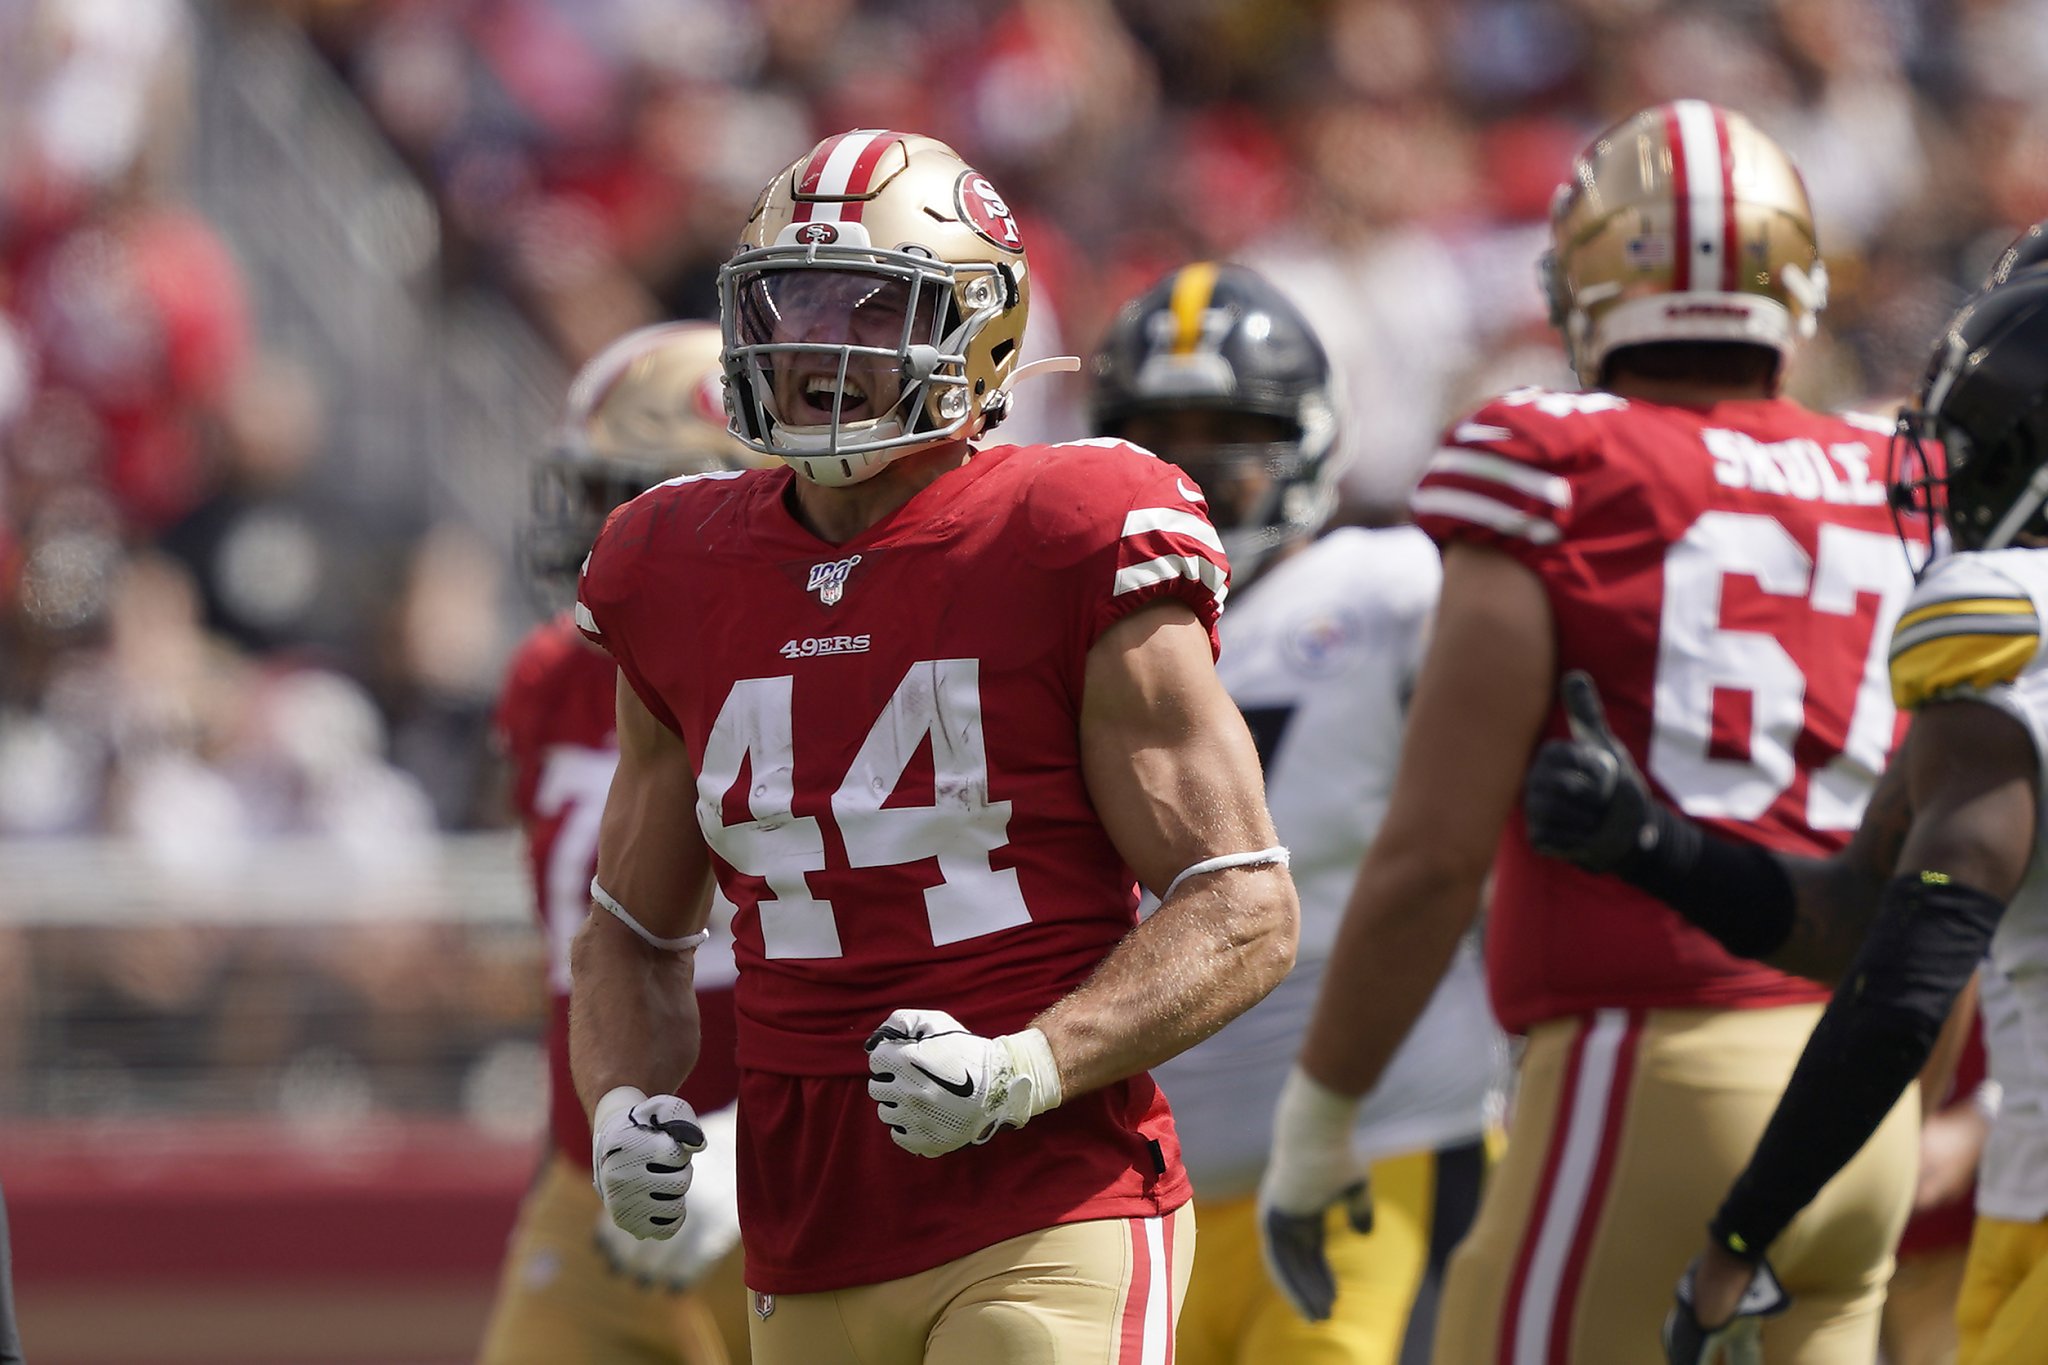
point(1629, 1127)
point(1106, 1291)
point(559, 1300)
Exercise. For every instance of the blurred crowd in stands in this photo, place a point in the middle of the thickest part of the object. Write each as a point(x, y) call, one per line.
point(205, 640)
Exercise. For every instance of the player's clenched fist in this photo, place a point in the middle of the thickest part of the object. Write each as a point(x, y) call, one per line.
point(939, 1087)
point(640, 1159)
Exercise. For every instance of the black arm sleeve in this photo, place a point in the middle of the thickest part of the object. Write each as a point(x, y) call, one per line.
point(1870, 1044)
point(1738, 893)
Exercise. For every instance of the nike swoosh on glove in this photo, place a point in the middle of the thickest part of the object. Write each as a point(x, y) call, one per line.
point(939, 1087)
point(1738, 1341)
point(1310, 1169)
point(1584, 799)
point(640, 1154)
point(706, 1236)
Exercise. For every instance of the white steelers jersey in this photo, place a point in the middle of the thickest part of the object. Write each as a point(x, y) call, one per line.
point(1973, 630)
point(1320, 654)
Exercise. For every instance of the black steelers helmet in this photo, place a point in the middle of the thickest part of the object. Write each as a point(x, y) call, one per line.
point(1207, 347)
point(1984, 403)
point(2023, 253)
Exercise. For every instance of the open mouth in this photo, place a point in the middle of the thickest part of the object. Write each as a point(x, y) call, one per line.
point(821, 393)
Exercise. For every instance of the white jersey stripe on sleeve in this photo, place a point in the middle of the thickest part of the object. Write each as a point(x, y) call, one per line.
point(1484, 511)
point(1474, 464)
point(1172, 519)
point(585, 621)
point(1207, 572)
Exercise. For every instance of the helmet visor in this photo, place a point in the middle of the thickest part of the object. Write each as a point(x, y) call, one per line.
point(835, 346)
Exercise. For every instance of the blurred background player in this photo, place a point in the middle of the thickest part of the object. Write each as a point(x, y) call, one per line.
point(10, 1336)
point(1213, 370)
point(1944, 867)
point(924, 709)
point(1724, 561)
point(576, 1287)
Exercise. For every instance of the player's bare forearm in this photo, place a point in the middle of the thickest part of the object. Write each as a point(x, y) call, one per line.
point(1479, 706)
point(632, 1012)
point(1837, 898)
point(1174, 776)
point(1407, 911)
point(632, 1003)
point(1205, 957)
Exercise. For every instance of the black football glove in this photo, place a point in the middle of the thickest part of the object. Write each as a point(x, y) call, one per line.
point(1584, 799)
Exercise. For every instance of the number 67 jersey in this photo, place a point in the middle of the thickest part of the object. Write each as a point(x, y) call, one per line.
point(886, 740)
point(1729, 576)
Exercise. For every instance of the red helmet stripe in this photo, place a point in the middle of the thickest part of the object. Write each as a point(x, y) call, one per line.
point(838, 173)
point(1705, 194)
point(1730, 275)
point(1681, 195)
point(864, 170)
point(814, 169)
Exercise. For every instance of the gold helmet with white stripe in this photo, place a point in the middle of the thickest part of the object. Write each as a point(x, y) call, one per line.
point(1682, 223)
point(876, 306)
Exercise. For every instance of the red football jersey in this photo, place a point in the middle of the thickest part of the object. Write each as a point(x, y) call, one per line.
point(886, 736)
point(555, 721)
point(1729, 576)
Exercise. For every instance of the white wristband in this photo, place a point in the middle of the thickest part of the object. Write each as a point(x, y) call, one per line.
point(1032, 1057)
point(611, 1102)
point(1988, 1098)
point(687, 943)
point(1313, 1109)
point(1276, 854)
point(617, 1098)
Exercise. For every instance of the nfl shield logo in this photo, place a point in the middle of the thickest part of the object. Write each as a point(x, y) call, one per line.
point(829, 580)
point(764, 1306)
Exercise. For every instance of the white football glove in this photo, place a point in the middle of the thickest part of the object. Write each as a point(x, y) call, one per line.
point(640, 1159)
point(708, 1234)
point(939, 1087)
point(1311, 1167)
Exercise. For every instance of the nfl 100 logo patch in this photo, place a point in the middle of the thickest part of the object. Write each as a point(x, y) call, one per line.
point(828, 580)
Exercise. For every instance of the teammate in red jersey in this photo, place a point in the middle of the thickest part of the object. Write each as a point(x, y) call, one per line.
point(929, 713)
point(576, 1286)
point(1723, 561)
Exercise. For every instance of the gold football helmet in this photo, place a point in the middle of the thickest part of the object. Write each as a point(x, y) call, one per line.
point(649, 407)
point(875, 306)
point(1682, 223)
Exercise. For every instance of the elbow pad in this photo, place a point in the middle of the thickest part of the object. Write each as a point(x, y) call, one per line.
point(1869, 1045)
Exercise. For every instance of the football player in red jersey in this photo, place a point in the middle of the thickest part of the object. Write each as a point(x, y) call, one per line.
point(929, 713)
point(1944, 874)
point(576, 1286)
point(1724, 562)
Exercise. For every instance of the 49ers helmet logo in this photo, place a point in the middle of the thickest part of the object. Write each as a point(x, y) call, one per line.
point(821, 234)
point(984, 210)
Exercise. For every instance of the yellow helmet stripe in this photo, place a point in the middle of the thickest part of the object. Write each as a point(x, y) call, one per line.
point(1192, 290)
